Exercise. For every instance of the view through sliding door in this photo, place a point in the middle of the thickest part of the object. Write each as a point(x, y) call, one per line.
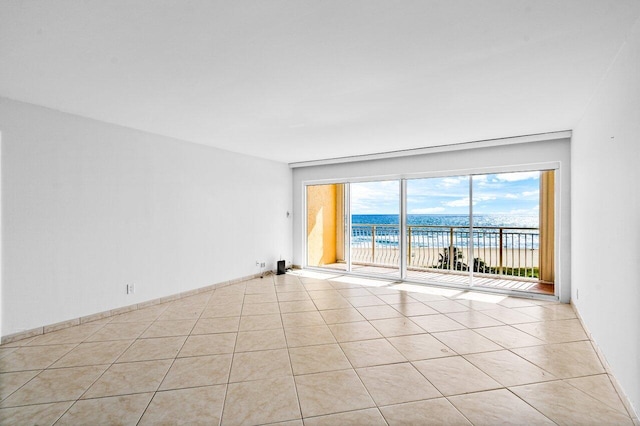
point(438, 219)
point(485, 230)
point(498, 233)
point(375, 228)
point(514, 231)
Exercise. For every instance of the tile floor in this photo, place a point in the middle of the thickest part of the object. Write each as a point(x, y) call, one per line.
point(312, 349)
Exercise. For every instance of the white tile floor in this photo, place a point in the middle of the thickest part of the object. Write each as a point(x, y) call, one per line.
point(315, 350)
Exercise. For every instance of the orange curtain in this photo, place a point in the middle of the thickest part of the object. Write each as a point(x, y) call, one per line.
point(547, 226)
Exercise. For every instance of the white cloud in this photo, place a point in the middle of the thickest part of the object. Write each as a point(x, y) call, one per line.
point(511, 196)
point(375, 197)
point(428, 210)
point(451, 187)
point(531, 193)
point(453, 181)
point(514, 177)
point(483, 198)
point(464, 202)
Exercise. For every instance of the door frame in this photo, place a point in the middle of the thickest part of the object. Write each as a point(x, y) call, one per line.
point(527, 167)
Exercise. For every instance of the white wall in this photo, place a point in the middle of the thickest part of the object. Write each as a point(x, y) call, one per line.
point(606, 217)
point(452, 162)
point(1, 238)
point(89, 207)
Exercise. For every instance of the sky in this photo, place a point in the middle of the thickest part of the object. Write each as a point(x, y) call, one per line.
point(504, 194)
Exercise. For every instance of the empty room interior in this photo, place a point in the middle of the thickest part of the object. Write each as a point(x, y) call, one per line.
point(320, 212)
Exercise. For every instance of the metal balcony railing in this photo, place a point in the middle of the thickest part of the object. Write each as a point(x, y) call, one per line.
point(496, 250)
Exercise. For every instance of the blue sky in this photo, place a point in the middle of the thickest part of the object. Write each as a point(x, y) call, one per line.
point(505, 194)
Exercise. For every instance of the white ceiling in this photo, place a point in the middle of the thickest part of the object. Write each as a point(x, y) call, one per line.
point(302, 80)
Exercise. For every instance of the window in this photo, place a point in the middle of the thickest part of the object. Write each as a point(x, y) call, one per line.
point(489, 230)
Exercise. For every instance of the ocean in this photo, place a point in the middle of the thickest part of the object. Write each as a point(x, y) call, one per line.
point(514, 221)
point(388, 236)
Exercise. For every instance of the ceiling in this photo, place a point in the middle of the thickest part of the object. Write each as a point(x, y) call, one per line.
point(300, 80)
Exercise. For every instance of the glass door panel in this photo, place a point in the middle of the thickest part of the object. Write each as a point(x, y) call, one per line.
point(375, 227)
point(438, 249)
point(490, 230)
point(513, 231)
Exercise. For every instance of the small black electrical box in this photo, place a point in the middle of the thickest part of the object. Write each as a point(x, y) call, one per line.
point(281, 267)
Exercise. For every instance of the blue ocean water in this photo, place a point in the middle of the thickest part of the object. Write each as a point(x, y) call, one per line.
point(439, 237)
point(515, 221)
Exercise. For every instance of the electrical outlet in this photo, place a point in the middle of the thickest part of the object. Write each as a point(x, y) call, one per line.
point(263, 264)
point(131, 289)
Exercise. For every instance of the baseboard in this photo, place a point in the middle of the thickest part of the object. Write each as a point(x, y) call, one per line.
point(11, 338)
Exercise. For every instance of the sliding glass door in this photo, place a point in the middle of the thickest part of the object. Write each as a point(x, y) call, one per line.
point(437, 231)
point(375, 228)
point(514, 231)
point(484, 230)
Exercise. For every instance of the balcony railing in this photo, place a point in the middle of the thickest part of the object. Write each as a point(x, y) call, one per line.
point(496, 250)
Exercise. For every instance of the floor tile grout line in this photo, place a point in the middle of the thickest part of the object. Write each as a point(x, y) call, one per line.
point(235, 345)
point(23, 385)
point(529, 404)
point(85, 391)
point(107, 369)
point(458, 410)
point(406, 361)
point(40, 372)
point(614, 388)
point(37, 403)
point(348, 411)
point(351, 369)
point(293, 377)
point(563, 380)
point(422, 374)
point(135, 339)
point(541, 367)
point(172, 362)
point(533, 363)
point(62, 415)
point(62, 356)
point(433, 384)
point(553, 377)
point(456, 354)
point(183, 343)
